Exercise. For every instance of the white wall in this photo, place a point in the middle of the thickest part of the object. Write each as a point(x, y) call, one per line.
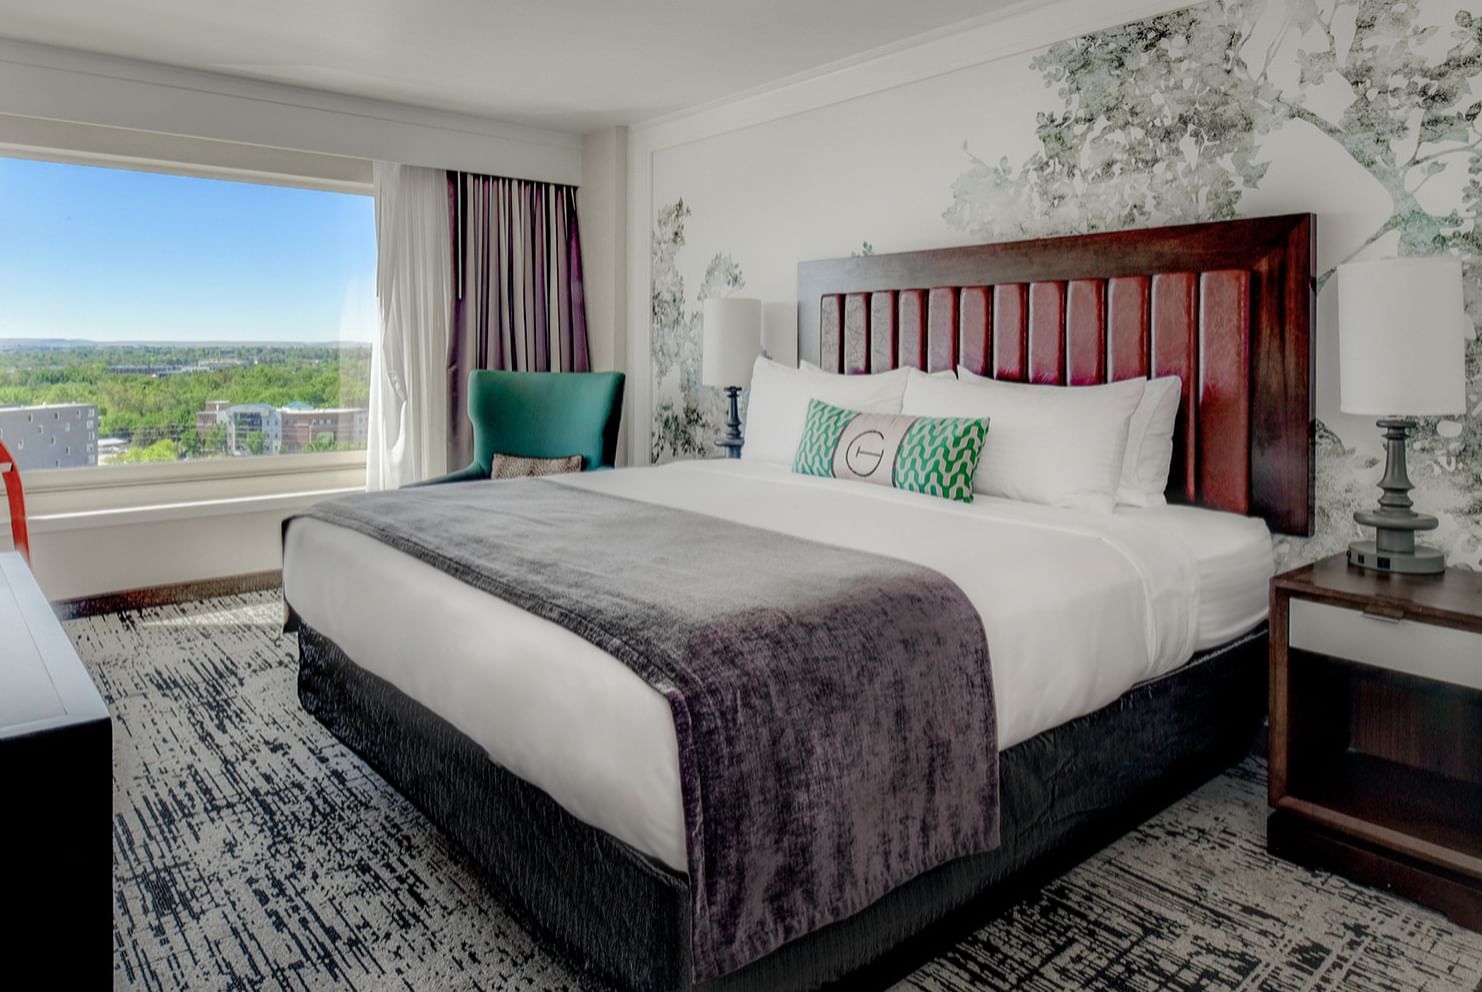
point(60, 85)
point(85, 556)
point(114, 528)
point(92, 144)
point(603, 205)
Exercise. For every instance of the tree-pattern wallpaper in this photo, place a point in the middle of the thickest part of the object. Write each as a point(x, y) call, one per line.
point(1215, 111)
point(687, 416)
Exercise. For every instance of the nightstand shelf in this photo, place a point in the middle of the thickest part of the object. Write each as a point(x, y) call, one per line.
point(1414, 810)
point(1376, 730)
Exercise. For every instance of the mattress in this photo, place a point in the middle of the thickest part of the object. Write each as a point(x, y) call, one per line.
point(1235, 559)
point(1078, 607)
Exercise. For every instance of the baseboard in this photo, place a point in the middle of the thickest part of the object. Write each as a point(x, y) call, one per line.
point(177, 592)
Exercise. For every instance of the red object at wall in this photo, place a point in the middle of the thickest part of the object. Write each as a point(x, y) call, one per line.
point(10, 481)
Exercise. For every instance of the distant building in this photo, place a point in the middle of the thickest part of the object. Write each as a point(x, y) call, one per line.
point(155, 371)
point(344, 427)
point(242, 421)
point(110, 448)
point(207, 418)
point(54, 435)
point(284, 430)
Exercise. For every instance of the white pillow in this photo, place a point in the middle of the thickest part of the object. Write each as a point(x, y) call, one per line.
point(1149, 455)
point(1059, 445)
point(777, 408)
point(1150, 444)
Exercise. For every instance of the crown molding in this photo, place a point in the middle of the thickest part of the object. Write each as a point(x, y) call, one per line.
point(1012, 30)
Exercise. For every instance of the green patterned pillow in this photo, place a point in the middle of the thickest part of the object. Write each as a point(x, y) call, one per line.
point(932, 455)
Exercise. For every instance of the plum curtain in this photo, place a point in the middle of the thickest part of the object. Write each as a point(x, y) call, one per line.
point(517, 278)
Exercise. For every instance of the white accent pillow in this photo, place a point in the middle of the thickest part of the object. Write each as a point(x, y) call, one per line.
point(1150, 444)
point(777, 408)
point(1149, 455)
point(1059, 445)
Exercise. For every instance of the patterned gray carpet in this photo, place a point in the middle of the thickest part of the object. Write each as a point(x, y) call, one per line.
point(252, 851)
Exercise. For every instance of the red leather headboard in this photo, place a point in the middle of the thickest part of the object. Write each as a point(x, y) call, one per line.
point(1227, 306)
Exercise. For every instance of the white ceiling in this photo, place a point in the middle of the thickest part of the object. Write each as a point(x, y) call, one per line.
point(570, 64)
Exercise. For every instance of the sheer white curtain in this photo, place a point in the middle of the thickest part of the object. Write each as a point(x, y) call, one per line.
point(408, 436)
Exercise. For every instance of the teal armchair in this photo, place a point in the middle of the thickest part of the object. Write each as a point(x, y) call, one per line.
point(542, 415)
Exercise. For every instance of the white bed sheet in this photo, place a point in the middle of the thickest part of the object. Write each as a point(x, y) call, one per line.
point(1235, 558)
point(1078, 608)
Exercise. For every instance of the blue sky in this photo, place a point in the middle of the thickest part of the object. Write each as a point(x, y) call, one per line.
point(114, 255)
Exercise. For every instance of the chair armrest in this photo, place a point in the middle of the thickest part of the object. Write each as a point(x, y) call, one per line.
point(473, 473)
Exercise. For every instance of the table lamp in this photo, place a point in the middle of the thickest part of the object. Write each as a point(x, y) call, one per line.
point(732, 342)
point(1400, 356)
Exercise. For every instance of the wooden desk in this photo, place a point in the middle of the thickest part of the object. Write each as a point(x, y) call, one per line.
point(56, 797)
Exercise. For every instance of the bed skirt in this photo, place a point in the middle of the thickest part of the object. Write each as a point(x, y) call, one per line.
point(624, 917)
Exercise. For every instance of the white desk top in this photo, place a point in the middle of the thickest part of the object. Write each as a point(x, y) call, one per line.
point(43, 683)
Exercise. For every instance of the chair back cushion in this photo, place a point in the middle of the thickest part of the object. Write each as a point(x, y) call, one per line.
point(546, 415)
point(517, 467)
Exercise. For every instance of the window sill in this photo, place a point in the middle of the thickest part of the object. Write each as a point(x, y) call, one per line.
point(122, 493)
point(69, 480)
point(289, 502)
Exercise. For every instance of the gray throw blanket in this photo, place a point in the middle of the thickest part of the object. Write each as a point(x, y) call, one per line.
point(834, 709)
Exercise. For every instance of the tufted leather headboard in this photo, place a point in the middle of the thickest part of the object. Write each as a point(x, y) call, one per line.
point(1228, 306)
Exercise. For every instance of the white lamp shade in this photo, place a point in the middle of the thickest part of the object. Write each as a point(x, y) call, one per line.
point(732, 340)
point(1401, 337)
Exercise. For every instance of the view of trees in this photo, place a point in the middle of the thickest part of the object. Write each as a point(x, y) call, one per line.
point(163, 450)
point(149, 395)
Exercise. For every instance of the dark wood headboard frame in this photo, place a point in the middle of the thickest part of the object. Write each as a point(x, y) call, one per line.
point(1228, 306)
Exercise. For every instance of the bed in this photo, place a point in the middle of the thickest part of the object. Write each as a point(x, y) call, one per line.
point(1128, 648)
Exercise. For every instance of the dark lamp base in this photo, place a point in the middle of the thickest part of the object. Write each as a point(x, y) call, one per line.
point(1424, 560)
point(732, 441)
point(1395, 521)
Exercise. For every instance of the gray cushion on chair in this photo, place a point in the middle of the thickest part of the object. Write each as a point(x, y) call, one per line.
point(517, 467)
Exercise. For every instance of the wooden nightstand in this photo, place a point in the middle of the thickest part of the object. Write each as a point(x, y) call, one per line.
point(1376, 730)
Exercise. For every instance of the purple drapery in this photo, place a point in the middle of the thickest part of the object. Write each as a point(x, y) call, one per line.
point(517, 287)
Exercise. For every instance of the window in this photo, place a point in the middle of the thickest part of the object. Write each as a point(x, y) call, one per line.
point(175, 318)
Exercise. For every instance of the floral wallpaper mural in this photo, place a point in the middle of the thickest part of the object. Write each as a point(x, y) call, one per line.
point(1367, 112)
point(687, 415)
point(1130, 150)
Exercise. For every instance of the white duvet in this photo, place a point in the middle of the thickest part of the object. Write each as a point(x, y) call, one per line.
point(1078, 607)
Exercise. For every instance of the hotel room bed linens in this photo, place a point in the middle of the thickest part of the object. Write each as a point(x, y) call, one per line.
point(1235, 560)
point(1078, 607)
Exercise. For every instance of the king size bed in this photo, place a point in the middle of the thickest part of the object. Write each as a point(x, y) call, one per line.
point(723, 726)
